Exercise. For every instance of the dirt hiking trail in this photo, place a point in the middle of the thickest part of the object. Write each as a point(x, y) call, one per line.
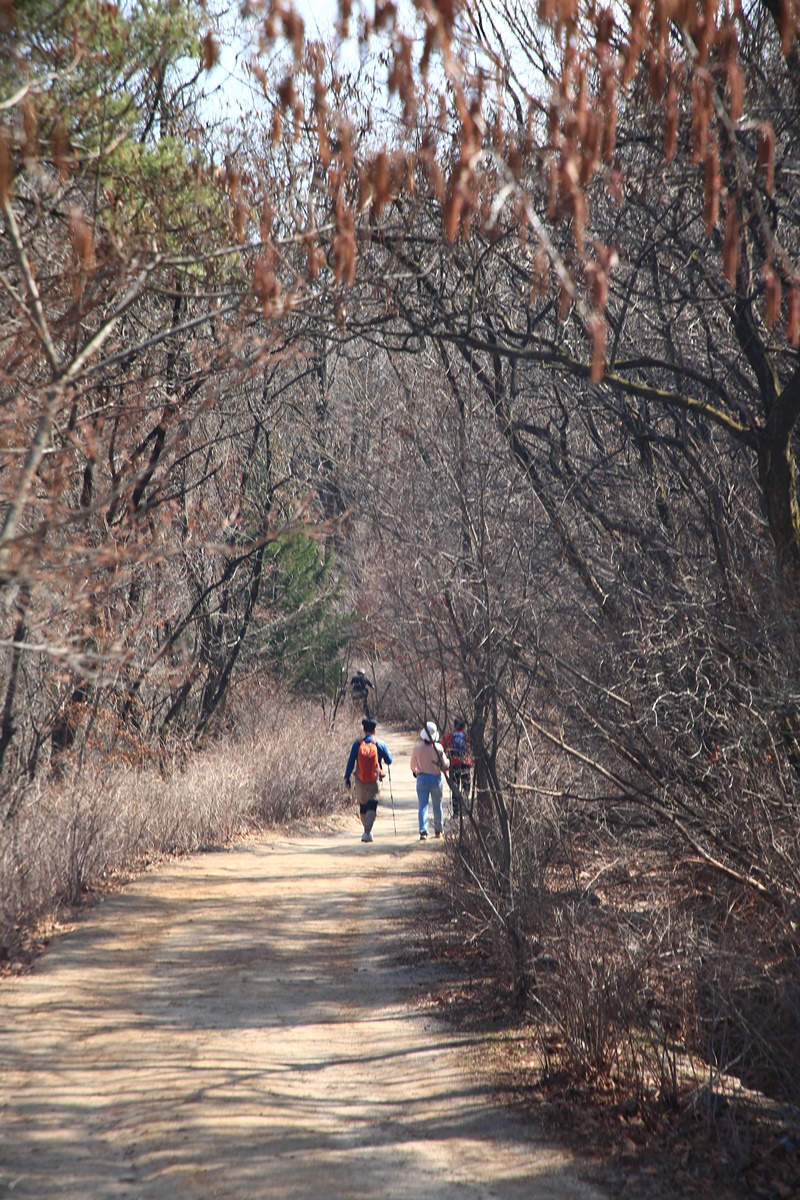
point(242, 1025)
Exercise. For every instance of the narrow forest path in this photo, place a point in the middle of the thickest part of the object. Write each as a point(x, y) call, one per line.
point(241, 1025)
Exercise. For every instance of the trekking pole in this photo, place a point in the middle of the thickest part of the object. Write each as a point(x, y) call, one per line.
point(391, 795)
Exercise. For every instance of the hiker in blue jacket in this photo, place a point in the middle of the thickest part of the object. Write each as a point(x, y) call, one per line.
point(364, 773)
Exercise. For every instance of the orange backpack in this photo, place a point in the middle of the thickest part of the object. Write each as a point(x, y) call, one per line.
point(367, 762)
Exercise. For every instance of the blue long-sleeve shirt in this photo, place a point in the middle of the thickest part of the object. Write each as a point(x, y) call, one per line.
point(383, 754)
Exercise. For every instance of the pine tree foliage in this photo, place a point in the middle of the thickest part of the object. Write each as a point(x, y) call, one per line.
point(303, 635)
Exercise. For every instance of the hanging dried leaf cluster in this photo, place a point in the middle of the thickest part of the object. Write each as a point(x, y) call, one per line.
point(687, 55)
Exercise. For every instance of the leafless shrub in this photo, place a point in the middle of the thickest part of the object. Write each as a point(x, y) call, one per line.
point(586, 998)
point(748, 1010)
point(296, 771)
point(615, 996)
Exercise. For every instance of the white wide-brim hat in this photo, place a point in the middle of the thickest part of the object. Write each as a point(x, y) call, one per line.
point(430, 733)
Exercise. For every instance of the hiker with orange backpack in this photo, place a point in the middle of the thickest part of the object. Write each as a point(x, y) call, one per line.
point(365, 769)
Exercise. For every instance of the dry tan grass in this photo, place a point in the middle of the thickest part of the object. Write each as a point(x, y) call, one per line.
point(102, 821)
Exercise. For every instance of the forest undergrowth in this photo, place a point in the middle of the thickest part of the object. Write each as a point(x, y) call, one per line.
point(659, 1037)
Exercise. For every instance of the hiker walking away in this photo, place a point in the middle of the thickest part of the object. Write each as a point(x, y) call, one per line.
point(359, 688)
point(364, 773)
point(428, 762)
point(458, 749)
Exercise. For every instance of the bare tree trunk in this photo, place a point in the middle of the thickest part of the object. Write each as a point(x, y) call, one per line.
point(777, 471)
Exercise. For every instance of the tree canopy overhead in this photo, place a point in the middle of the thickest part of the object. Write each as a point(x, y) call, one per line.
point(611, 144)
point(577, 198)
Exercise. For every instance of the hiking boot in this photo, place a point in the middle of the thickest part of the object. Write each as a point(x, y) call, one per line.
point(438, 833)
point(422, 835)
point(367, 837)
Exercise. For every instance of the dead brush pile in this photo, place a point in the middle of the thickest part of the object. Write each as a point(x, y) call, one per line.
point(100, 818)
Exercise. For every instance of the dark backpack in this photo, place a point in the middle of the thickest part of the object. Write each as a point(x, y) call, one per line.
point(367, 766)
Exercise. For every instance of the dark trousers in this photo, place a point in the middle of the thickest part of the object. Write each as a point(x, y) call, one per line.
point(368, 812)
point(459, 778)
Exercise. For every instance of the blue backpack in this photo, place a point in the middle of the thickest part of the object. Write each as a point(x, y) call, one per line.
point(458, 744)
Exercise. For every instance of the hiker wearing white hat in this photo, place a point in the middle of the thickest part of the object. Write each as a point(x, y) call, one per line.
point(428, 762)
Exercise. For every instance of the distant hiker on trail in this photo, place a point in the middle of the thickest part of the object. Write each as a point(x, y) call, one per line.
point(367, 756)
point(428, 761)
point(359, 687)
point(457, 746)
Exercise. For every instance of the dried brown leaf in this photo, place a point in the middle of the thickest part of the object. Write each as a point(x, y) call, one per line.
point(730, 244)
point(671, 121)
point(787, 24)
point(81, 237)
point(580, 213)
point(772, 296)
point(315, 257)
point(793, 315)
point(766, 156)
point(713, 181)
point(701, 116)
point(451, 215)
point(540, 278)
point(735, 90)
point(209, 51)
point(380, 181)
point(294, 29)
point(344, 246)
point(267, 220)
point(323, 141)
point(364, 189)
point(287, 92)
point(240, 216)
point(597, 332)
point(564, 301)
point(266, 285)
